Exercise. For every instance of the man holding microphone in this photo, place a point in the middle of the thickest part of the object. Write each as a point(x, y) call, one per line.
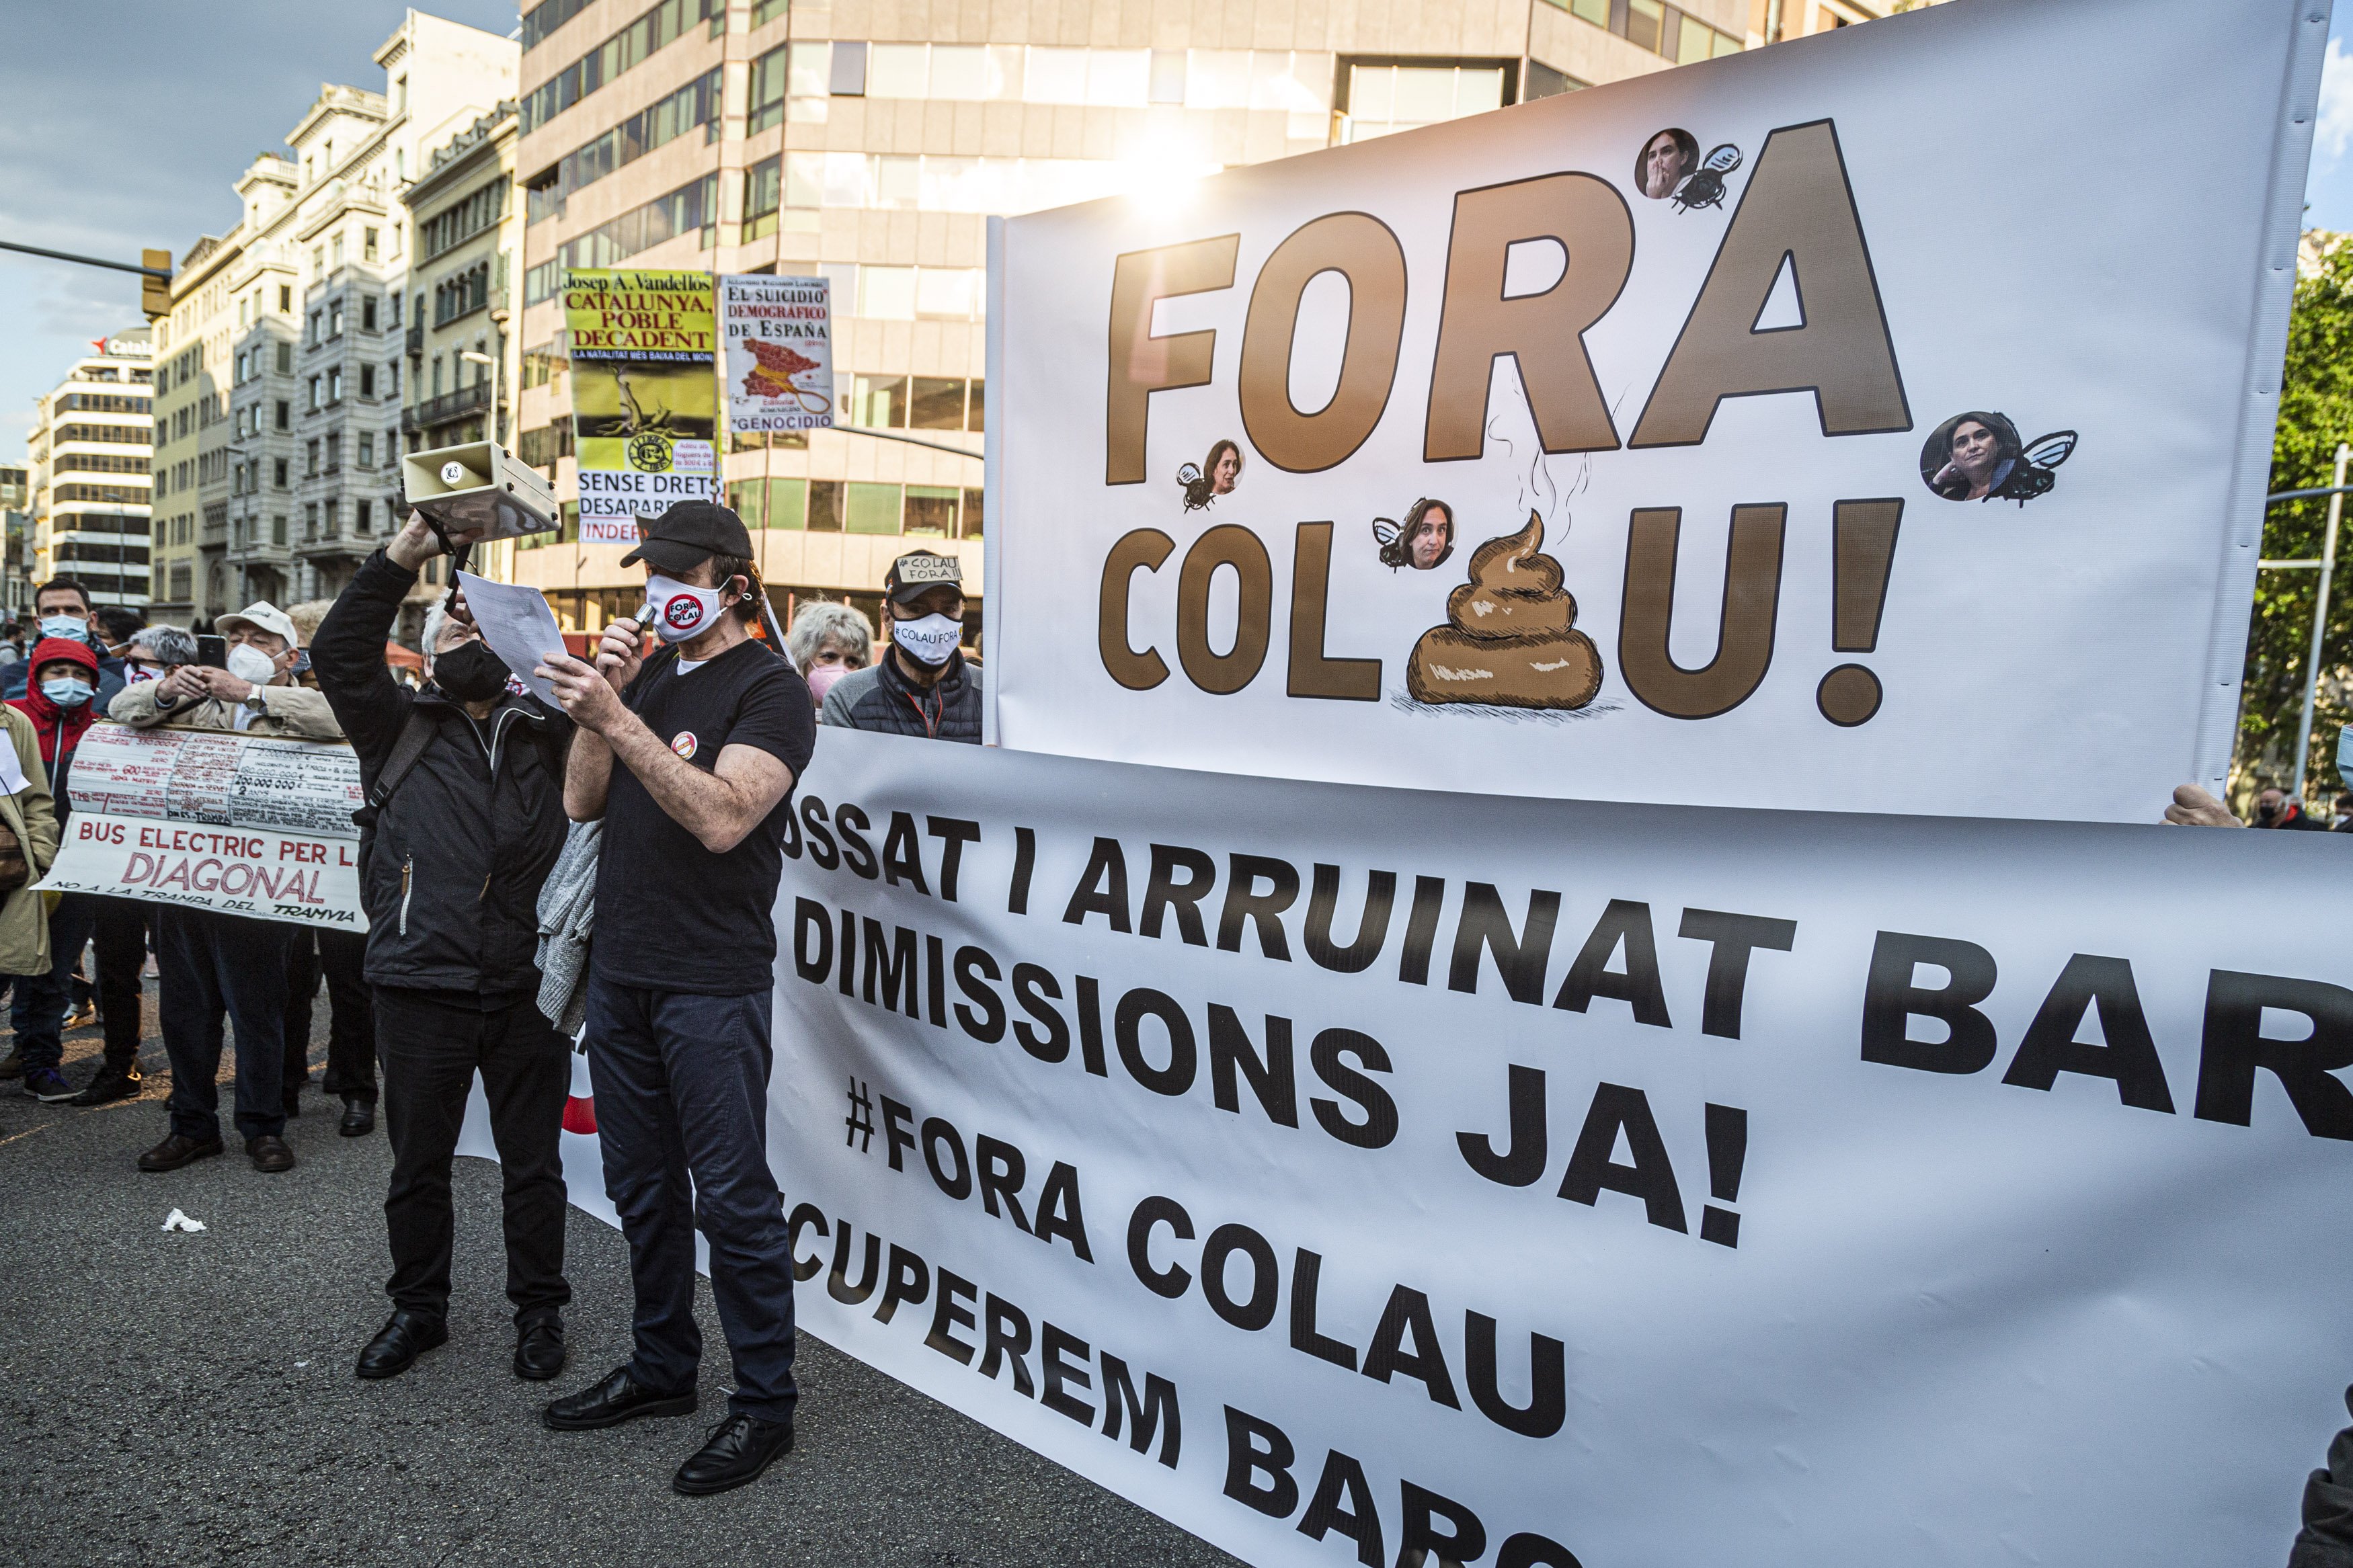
point(689, 758)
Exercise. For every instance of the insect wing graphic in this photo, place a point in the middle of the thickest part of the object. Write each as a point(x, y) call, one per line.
point(1704, 188)
point(1199, 491)
point(2049, 451)
point(2030, 475)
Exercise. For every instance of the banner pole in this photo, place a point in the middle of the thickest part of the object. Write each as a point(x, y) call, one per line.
point(992, 504)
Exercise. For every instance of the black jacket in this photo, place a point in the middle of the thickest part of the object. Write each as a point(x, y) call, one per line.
point(452, 881)
point(879, 698)
point(2326, 1539)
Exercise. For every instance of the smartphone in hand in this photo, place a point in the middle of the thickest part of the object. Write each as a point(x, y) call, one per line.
point(213, 652)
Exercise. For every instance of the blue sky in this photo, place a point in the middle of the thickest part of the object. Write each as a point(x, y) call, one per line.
point(2329, 194)
point(125, 121)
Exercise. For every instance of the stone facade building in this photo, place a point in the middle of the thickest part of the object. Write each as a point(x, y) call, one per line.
point(283, 345)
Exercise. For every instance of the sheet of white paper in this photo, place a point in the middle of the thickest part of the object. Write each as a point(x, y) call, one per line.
point(518, 624)
point(11, 771)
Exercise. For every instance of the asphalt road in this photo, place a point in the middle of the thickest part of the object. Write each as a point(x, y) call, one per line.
point(177, 1398)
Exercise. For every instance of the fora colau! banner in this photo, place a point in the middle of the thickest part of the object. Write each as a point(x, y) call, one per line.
point(1361, 1175)
point(645, 394)
point(1822, 427)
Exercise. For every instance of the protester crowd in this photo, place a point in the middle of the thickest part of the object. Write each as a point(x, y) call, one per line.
point(595, 875)
point(491, 946)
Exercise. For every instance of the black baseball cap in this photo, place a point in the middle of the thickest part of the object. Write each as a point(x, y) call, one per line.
point(916, 571)
point(688, 534)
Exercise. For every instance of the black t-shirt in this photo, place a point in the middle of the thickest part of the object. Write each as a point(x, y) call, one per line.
point(672, 915)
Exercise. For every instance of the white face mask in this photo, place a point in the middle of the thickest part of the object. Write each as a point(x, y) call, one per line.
point(67, 693)
point(248, 662)
point(73, 628)
point(679, 612)
point(132, 674)
point(930, 640)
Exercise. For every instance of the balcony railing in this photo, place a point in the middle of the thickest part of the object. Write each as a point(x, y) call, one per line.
point(337, 542)
point(415, 340)
point(449, 405)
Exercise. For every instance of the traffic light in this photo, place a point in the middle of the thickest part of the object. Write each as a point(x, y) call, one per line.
point(155, 293)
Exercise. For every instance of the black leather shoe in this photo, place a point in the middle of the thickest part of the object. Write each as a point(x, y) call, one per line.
point(405, 1335)
point(539, 1350)
point(270, 1155)
point(738, 1451)
point(176, 1150)
point(359, 1118)
point(618, 1398)
point(112, 1083)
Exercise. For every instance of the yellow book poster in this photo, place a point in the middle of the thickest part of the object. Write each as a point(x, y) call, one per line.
point(645, 395)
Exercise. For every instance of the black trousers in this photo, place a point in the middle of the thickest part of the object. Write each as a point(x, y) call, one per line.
point(119, 937)
point(431, 1044)
point(215, 964)
point(38, 1011)
point(682, 1087)
point(351, 1016)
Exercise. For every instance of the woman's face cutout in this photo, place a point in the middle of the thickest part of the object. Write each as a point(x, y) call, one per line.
point(1227, 470)
point(1663, 166)
point(1974, 450)
point(1431, 537)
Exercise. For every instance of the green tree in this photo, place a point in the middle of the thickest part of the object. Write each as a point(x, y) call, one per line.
point(2316, 414)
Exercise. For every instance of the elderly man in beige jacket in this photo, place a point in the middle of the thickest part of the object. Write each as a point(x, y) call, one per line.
point(30, 817)
point(214, 964)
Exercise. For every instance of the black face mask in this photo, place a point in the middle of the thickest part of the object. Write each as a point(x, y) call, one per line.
point(470, 672)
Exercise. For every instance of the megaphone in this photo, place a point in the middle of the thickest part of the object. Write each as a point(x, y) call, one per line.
point(478, 489)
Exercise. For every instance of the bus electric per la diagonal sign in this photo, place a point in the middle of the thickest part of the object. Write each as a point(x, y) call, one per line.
point(1804, 428)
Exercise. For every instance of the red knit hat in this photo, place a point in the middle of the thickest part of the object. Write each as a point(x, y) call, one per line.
point(48, 650)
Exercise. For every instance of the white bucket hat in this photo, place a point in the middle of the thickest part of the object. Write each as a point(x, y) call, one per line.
point(262, 616)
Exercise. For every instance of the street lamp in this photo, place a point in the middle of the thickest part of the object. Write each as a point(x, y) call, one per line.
point(490, 360)
point(499, 319)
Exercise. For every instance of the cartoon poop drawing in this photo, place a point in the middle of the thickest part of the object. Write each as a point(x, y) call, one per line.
point(1510, 640)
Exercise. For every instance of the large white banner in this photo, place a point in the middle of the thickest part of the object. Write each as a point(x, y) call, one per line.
point(245, 825)
point(1874, 422)
point(1345, 1173)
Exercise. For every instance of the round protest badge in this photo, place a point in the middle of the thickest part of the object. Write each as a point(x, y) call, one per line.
point(684, 744)
point(683, 613)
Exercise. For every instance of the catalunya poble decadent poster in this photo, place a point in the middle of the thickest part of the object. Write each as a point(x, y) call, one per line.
point(645, 395)
point(1811, 428)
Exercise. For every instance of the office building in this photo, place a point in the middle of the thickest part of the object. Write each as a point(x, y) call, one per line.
point(867, 144)
point(16, 528)
point(87, 477)
point(280, 365)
